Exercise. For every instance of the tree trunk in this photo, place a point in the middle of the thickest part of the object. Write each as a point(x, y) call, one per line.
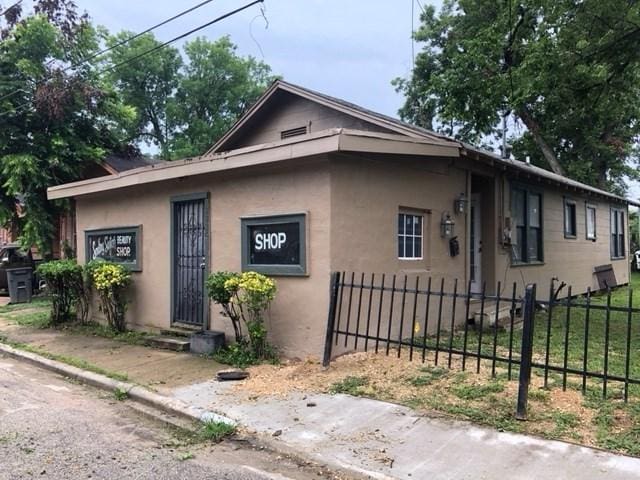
point(547, 151)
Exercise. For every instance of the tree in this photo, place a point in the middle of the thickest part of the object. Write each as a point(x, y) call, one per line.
point(566, 71)
point(216, 87)
point(148, 84)
point(55, 121)
point(184, 105)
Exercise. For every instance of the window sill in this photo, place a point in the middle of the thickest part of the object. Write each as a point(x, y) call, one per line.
point(570, 237)
point(618, 258)
point(526, 264)
point(411, 259)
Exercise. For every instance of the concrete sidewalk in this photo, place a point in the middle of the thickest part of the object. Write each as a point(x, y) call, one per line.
point(161, 370)
point(374, 438)
point(383, 440)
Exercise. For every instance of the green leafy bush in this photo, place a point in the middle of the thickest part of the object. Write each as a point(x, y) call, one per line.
point(111, 281)
point(64, 282)
point(244, 298)
point(220, 295)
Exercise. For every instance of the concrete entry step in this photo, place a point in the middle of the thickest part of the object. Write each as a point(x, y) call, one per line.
point(177, 344)
point(487, 318)
point(178, 332)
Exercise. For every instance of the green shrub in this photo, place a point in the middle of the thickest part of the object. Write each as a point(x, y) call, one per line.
point(64, 282)
point(242, 355)
point(220, 295)
point(111, 281)
point(244, 298)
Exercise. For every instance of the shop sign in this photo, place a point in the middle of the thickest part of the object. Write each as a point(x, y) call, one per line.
point(274, 245)
point(119, 245)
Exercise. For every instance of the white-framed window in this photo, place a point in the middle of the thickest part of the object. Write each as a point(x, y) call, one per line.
point(590, 222)
point(617, 233)
point(410, 236)
point(526, 212)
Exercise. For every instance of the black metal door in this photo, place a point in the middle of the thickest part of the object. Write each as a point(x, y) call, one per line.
point(190, 249)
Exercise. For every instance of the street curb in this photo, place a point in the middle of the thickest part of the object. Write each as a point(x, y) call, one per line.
point(135, 392)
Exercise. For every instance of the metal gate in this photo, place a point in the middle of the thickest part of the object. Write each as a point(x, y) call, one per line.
point(190, 233)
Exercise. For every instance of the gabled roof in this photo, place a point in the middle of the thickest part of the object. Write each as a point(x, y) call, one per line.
point(395, 137)
point(384, 121)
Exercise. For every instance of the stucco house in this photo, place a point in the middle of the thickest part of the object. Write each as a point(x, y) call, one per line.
point(305, 184)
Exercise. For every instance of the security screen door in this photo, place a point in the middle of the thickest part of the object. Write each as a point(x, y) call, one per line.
point(190, 233)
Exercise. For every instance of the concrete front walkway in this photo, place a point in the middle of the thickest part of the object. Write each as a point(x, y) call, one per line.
point(161, 370)
point(377, 439)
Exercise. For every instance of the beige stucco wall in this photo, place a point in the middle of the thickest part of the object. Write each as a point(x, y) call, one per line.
point(366, 196)
point(297, 318)
point(570, 260)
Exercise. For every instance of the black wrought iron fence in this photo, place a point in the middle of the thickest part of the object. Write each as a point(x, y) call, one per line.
point(590, 342)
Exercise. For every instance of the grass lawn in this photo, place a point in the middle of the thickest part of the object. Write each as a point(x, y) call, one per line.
point(551, 328)
point(488, 397)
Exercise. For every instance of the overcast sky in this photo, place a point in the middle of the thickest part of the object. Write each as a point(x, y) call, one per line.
point(350, 49)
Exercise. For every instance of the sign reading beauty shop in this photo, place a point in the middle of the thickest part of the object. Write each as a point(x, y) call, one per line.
point(274, 245)
point(118, 245)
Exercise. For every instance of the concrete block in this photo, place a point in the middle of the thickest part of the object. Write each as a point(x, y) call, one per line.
point(207, 342)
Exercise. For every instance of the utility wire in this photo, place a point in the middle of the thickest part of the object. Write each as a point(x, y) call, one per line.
point(118, 44)
point(180, 37)
point(156, 48)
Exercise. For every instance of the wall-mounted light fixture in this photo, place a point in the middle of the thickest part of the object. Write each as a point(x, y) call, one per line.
point(460, 204)
point(446, 225)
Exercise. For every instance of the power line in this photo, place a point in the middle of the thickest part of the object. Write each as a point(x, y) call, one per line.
point(118, 44)
point(156, 48)
point(181, 36)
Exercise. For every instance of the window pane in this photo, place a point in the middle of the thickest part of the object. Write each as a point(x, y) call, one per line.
point(417, 223)
point(591, 222)
point(534, 210)
point(533, 245)
point(408, 224)
point(400, 246)
point(408, 245)
point(401, 223)
point(620, 223)
point(517, 207)
point(570, 219)
point(520, 245)
point(418, 247)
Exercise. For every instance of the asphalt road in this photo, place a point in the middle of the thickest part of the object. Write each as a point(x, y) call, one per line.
point(51, 428)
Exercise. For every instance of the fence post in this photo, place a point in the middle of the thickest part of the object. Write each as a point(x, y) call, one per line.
point(526, 352)
point(331, 319)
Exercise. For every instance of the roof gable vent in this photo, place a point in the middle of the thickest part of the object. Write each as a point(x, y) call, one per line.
point(293, 132)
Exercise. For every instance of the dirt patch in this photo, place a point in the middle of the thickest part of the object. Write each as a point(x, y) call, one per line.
point(445, 389)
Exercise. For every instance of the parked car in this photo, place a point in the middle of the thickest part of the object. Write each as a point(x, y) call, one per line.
point(12, 256)
point(636, 260)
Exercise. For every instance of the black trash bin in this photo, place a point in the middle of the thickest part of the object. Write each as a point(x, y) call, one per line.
point(20, 282)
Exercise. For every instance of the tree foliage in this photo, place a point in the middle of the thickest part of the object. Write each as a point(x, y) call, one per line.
point(566, 71)
point(147, 83)
point(55, 121)
point(60, 113)
point(184, 105)
point(216, 87)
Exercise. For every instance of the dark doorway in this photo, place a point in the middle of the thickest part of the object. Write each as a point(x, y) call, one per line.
point(189, 260)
